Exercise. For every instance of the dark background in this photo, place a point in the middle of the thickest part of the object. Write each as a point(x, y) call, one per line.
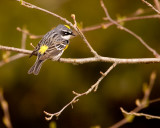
point(28, 95)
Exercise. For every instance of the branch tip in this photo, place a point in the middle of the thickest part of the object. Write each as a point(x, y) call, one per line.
point(18, 29)
point(75, 22)
point(132, 113)
point(138, 102)
point(32, 45)
point(153, 75)
point(75, 93)
point(48, 116)
point(102, 73)
point(73, 16)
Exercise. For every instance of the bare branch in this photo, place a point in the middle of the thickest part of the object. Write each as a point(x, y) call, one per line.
point(106, 25)
point(150, 5)
point(101, 25)
point(74, 19)
point(129, 31)
point(94, 87)
point(109, 59)
point(142, 104)
point(91, 59)
point(140, 114)
point(148, 89)
point(83, 37)
point(29, 5)
point(154, 101)
point(4, 105)
point(32, 45)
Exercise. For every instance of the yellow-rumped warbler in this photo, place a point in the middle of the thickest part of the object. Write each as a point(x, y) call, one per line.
point(51, 46)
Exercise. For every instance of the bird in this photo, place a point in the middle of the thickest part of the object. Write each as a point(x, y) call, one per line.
point(51, 46)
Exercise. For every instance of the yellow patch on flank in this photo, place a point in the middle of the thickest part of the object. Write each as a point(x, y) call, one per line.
point(42, 49)
point(65, 48)
point(67, 26)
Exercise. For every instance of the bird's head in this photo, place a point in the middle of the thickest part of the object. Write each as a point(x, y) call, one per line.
point(65, 31)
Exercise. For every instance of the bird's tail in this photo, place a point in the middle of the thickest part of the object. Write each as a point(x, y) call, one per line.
point(36, 67)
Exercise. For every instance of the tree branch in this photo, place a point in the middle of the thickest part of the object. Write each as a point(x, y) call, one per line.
point(110, 60)
point(129, 31)
point(140, 104)
point(106, 25)
point(91, 59)
point(83, 37)
point(94, 87)
point(99, 26)
point(139, 114)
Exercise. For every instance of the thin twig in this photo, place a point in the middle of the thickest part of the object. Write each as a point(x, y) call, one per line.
point(94, 87)
point(74, 19)
point(150, 5)
point(29, 5)
point(4, 105)
point(143, 104)
point(101, 25)
point(154, 101)
point(108, 24)
point(83, 37)
point(148, 90)
point(139, 114)
point(32, 45)
point(129, 31)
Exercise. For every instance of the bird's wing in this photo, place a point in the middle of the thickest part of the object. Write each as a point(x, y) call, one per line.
point(54, 49)
point(57, 46)
point(47, 38)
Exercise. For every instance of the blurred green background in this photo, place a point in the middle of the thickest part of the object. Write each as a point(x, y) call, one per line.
point(28, 95)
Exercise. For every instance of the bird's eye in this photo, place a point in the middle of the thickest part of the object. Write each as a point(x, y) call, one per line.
point(65, 33)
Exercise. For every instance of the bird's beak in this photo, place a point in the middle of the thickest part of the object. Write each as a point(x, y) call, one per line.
point(73, 34)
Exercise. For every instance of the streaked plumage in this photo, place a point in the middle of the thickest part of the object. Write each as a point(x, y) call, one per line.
point(51, 46)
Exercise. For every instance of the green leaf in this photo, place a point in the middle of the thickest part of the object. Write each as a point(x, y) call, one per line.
point(120, 18)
